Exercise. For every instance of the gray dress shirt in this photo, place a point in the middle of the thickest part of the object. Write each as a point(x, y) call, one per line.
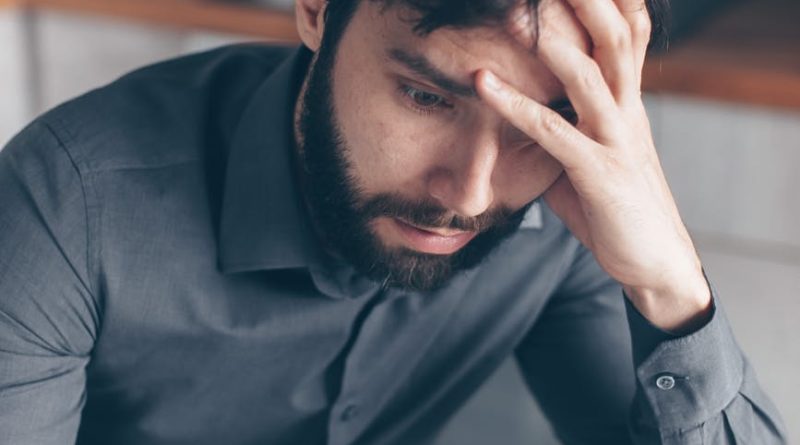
point(160, 284)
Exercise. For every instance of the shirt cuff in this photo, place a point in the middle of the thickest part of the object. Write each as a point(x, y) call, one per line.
point(685, 379)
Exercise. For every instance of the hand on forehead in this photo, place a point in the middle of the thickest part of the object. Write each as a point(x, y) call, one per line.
point(560, 18)
point(550, 17)
point(460, 52)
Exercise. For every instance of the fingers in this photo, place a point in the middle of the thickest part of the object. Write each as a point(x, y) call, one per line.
point(638, 18)
point(611, 37)
point(552, 132)
point(620, 31)
point(585, 85)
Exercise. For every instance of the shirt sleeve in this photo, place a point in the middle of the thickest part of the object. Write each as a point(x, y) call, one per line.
point(698, 387)
point(48, 313)
point(603, 374)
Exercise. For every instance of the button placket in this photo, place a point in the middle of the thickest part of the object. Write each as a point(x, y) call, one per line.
point(352, 411)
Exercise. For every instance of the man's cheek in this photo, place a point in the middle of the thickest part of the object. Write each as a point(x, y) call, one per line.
point(525, 175)
point(396, 150)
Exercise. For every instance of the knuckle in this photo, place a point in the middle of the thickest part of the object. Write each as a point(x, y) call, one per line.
point(590, 77)
point(552, 123)
point(517, 103)
point(620, 38)
point(641, 26)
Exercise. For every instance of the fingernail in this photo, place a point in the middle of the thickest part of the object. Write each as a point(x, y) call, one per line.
point(491, 81)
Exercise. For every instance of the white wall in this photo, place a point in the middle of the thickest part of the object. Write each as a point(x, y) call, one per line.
point(75, 53)
point(14, 88)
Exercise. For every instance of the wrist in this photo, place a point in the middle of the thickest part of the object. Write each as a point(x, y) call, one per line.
point(682, 305)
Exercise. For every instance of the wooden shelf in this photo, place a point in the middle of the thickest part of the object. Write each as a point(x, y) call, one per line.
point(748, 54)
point(218, 16)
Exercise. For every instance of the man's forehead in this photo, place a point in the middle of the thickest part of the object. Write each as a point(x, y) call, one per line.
point(459, 53)
point(523, 25)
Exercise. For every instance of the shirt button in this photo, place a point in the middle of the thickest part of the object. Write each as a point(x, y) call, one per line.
point(665, 382)
point(349, 412)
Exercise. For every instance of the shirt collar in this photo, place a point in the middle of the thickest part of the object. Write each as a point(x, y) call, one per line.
point(264, 224)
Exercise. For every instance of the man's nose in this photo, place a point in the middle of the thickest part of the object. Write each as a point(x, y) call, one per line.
point(462, 182)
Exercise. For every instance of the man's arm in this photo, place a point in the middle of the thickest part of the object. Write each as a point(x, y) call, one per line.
point(48, 313)
point(613, 195)
point(614, 198)
point(694, 388)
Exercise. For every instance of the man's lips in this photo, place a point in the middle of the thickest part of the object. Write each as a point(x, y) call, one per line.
point(433, 241)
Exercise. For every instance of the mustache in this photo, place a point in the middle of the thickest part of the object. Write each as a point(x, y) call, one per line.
point(429, 214)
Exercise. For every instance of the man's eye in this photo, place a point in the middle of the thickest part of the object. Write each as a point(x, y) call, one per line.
point(422, 100)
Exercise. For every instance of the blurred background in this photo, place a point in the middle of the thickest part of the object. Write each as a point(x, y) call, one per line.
point(724, 101)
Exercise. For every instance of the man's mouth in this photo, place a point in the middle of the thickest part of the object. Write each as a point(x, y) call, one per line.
point(436, 241)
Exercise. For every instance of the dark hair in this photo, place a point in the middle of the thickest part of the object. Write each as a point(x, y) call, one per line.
point(435, 14)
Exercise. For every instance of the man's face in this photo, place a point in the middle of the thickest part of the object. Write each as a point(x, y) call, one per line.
point(409, 175)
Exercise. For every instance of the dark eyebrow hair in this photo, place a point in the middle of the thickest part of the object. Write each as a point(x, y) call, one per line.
point(423, 67)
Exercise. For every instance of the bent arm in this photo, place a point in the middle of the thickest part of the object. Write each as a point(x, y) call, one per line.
point(604, 374)
point(48, 314)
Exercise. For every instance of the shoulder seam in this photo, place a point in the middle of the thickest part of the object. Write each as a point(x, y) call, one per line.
point(62, 143)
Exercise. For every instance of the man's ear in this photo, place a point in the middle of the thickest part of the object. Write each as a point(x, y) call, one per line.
point(310, 16)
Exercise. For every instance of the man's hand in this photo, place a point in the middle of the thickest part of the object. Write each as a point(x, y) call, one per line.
point(613, 195)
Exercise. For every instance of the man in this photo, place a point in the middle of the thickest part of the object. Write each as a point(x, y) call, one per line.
point(339, 243)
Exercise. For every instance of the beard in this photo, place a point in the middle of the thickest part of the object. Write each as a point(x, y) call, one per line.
point(344, 213)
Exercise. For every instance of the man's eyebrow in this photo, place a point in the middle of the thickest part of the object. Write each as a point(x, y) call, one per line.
point(423, 67)
point(420, 65)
